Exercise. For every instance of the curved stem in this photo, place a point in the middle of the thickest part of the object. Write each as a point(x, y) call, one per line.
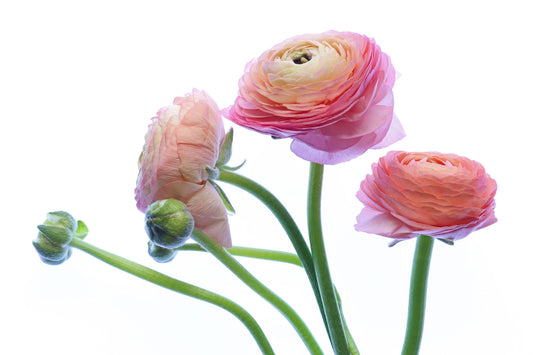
point(351, 342)
point(329, 300)
point(283, 257)
point(223, 256)
point(288, 224)
point(180, 287)
point(255, 253)
point(417, 295)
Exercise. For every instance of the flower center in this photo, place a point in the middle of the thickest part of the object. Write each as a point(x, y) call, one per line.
point(301, 57)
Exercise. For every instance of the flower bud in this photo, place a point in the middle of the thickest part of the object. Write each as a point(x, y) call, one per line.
point(54, 236)
point(49, 252)
point(161, 255)
point(168, 223)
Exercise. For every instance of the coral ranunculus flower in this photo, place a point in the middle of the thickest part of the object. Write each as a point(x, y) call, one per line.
point(181, 142)
point(330, 92)
point(440, 195)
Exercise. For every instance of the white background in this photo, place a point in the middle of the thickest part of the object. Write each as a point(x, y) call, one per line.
point(79, 82)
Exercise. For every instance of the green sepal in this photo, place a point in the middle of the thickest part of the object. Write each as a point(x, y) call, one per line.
point(235, 168)
point(213, 173)
point(81, 231)
point(394, 242)
point(49, 252)
point(225, 150)
point(224, 197)
point(447, 241)
point(57, 235)
point(61, 218)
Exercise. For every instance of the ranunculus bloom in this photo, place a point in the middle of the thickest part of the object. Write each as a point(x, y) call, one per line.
point(441, 195)
point(330, 92)
point(181, 142)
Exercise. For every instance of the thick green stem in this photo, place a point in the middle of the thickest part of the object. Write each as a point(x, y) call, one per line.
point(180, 287)
point(286, 221)
point(233, 265)
point(417, 295)
point(327, 291)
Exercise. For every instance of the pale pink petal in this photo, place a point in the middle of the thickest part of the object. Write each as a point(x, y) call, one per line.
point(210, 215)
point(181, 142)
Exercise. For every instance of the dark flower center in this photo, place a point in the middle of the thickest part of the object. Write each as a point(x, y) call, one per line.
point(301, 58)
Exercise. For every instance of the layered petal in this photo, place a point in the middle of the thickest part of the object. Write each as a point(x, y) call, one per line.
point(440, 195)
point(330, 92)
point(182, 140)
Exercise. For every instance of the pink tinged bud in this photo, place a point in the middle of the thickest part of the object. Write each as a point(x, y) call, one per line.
point(441, 195)
point(182, 140)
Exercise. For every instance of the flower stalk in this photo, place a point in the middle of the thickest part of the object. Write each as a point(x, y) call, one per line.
point(244, 275)
point(282, 257)
point(331, 307)
point(180, 287)
point(286, 221)
point(417, 295)
point(264, 254)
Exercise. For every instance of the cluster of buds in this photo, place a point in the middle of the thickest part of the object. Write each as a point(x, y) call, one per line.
point(55, 235)
point(169, 224)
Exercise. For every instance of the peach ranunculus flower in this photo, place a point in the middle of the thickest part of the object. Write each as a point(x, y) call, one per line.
point(440, 195)
point(182, 140)
point(330, 92)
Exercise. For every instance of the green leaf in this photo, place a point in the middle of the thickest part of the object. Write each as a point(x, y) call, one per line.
point(224, 198)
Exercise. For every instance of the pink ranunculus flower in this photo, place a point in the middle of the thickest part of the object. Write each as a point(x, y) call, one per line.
point(330, 92)
point(181, 142)
point(445, 196)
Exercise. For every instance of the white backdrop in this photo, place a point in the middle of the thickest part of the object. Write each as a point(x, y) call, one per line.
point(79, 82)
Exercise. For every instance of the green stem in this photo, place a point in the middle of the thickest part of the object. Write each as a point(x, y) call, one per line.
point(288, 224)
point(223, 256)
point(329, 300)
point(180, 287)
point(255, 253)
point(280, 256)
point(417, 295)
point(351, 342)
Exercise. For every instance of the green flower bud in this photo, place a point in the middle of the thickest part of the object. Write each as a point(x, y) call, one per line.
point(54, 236)
point(59, 227)
point(161, 255)
point(168, 223)
point(49, 252)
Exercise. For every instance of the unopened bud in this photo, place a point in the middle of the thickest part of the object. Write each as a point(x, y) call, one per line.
point(54, 236)
point(168, 223)
point(49, 252)
point(161, 255)
point(59, 227)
